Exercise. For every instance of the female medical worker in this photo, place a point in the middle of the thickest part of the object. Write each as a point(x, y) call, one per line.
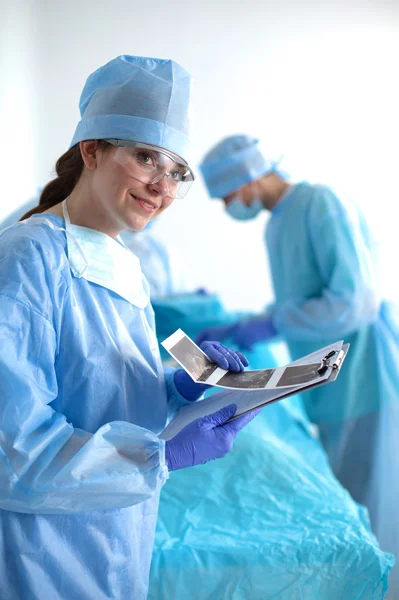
point(83, 394)
point(321, 256)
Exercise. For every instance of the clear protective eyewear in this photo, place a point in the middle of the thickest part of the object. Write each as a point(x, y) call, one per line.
point(150, 164)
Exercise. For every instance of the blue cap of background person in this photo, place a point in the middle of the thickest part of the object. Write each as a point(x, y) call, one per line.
point(137, 99)
point(234, 162)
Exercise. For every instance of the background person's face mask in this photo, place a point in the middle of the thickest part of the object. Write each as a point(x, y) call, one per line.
point(240, 211)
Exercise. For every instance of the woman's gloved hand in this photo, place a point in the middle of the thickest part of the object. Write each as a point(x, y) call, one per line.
point(217, 353)
point(206, 438)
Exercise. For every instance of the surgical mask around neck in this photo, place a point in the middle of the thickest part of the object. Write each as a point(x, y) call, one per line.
point(240, 211)
point(105, 261)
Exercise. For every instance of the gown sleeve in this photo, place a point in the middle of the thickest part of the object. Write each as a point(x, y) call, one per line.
point(344, 262)
point(47, 465)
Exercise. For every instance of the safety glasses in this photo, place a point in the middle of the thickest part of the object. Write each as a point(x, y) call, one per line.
point(149, 164)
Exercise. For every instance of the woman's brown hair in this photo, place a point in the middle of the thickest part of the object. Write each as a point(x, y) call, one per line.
point(69, 168)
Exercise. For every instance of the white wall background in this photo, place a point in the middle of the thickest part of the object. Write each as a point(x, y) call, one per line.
point(316, 80)
point(19, 120)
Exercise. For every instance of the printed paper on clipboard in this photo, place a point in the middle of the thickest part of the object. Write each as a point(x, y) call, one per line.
point(301, 373)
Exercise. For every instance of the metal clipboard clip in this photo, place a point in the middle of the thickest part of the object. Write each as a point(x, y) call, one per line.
point(326, 361)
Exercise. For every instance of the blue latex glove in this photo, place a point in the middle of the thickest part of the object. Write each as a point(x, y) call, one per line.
point(217, 353)
point(248, 333)
point(206, 438)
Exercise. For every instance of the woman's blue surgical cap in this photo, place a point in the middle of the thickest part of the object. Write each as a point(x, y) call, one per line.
point(232, 163)
point(137, 99)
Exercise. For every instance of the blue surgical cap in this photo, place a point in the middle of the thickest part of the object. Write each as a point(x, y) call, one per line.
point(232, 163)
point(137, 99)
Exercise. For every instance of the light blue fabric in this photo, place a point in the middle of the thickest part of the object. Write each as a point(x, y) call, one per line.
point(240, 211)
point(234, 162)
point(267, 521)
point(322, 263)
point(83, 397)
point(137, 99)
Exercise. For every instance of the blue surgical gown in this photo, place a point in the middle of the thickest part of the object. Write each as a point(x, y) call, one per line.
point(83, 395)
point(323, 268)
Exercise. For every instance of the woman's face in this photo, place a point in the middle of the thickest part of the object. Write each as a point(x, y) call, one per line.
point(124, 201)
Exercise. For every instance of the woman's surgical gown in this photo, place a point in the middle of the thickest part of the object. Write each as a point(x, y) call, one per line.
point(83, 395)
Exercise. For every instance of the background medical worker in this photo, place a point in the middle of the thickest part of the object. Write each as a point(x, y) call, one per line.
point(325, 282)
point(83, 394)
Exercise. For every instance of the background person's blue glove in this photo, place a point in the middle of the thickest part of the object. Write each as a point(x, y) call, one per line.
point(206, 438)
point(245, 333)
point(248, 333)
point(217, 353)
point(215, 333)
point(202, 291)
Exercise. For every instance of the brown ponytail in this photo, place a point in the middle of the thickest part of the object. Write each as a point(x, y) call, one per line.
point(69, 168)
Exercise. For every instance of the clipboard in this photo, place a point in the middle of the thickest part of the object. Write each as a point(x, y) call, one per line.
point(328, 360)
